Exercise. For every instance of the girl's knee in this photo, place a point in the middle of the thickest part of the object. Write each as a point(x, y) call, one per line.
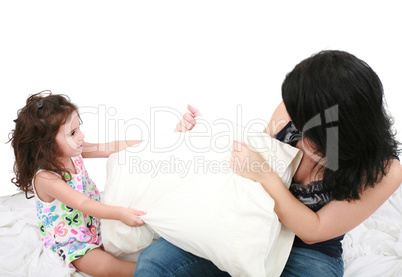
point(100, 263)
point(102, 269)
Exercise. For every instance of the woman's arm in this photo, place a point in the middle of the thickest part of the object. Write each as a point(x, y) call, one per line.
point(104, 150)
point(50, 186)
point(335, 218)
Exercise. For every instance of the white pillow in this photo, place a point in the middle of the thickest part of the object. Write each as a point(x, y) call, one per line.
point(193, 199)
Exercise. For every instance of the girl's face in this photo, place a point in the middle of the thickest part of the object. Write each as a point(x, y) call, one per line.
point(69, 138)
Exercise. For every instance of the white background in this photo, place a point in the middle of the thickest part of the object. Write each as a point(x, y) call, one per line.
point(119, 59)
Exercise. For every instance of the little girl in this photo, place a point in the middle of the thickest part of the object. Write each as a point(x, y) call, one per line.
point(49, 146)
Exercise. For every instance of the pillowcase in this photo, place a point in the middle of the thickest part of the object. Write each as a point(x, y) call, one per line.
point(194, 200)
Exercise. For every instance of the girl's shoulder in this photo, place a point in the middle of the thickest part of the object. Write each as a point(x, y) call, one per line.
point(41, 181)
point(42, 174)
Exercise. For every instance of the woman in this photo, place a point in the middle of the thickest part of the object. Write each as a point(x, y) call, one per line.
point(333, 111)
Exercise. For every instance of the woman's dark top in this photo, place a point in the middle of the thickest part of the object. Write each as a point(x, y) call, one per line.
point(312, 196)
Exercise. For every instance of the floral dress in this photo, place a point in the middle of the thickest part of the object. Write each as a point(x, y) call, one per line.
point(67, 231)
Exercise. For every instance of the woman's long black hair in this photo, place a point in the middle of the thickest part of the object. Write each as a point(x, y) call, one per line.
point(337, 101)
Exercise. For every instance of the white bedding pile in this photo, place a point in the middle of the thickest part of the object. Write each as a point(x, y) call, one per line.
point(374, 248)
point(21, 250)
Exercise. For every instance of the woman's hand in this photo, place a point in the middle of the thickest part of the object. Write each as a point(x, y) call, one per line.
point(188, 121)
point(130, 217)
point(248, 163)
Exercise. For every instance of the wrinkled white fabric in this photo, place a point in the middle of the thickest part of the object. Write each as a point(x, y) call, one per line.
point(374, 248)
point(21, 250)
point(194, 200)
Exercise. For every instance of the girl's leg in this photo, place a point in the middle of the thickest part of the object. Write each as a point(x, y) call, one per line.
point(97, 262)
point(162, 258)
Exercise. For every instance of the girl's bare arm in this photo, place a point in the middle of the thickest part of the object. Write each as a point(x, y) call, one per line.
point(50, 186)
point(104, 150)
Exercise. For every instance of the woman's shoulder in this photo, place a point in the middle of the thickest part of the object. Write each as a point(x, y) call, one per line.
point(372, 198)
point(394, 173)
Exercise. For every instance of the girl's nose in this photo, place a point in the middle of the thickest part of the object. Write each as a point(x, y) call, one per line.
point(81, 135)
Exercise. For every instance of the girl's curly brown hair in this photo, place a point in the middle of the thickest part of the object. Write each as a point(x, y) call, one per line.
point(33, 138)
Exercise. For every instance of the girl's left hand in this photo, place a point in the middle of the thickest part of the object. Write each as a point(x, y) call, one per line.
point(130, 217)
point(248, 162)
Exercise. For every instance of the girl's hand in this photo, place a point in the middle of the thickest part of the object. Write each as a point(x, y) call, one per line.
point(188, 122)
point(130, 217)
point(248, 163)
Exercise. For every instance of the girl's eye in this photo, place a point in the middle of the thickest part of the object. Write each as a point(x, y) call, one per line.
point(72, 133)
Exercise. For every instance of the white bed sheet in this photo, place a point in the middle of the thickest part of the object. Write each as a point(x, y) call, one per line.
point(21, 250)
point(374, 248)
